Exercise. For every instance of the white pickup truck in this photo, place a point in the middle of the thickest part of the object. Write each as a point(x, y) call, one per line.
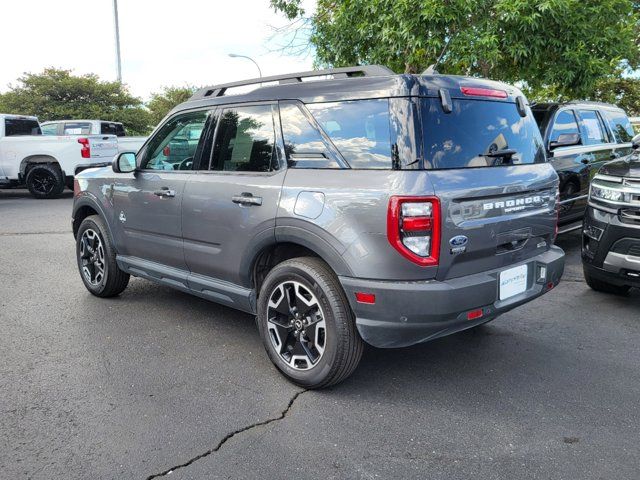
point(94, 127)
point(45, 164)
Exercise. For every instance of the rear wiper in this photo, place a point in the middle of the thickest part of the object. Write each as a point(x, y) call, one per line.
point(501, 157)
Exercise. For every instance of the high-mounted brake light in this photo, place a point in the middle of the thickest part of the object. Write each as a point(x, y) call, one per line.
point(413, 228)
point(85, 151)
point(483, 92)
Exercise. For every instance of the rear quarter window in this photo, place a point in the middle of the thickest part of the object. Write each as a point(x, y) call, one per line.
point(475, 129)
point(14, 127)
point(620, 125)
point(108, 128)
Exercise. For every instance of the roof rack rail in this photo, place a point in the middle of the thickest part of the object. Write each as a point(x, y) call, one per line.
point(344, 72)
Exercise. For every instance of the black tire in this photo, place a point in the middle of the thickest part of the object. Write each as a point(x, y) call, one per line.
point(113, 281)
point(604, 287)
point(342, 344)
point(45, 181)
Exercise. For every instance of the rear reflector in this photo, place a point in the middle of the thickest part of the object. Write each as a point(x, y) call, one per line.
point(369, 298)
point(474, 314)
point(483, 92)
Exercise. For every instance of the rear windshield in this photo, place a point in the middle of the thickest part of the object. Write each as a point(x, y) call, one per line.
point(112, 129)
point(478, 133)
point(18, 126)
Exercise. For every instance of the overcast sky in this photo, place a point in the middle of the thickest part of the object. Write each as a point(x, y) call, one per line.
point(163, 42)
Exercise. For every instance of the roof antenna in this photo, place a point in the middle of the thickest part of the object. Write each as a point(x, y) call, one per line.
point(431, 69)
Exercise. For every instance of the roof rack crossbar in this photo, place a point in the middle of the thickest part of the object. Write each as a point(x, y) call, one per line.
point(344, 72)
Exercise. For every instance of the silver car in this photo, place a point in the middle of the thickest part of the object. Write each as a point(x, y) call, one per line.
point(360, 207)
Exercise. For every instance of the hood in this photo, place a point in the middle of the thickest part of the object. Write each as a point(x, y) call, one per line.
point(628, 166)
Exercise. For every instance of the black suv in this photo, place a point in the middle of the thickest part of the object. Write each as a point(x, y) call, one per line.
point(579, 138)
point(611, 234)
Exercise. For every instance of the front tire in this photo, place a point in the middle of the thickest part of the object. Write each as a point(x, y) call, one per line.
point(306, 324)
point(45, 181)
point(604, 287)
point(97, 259)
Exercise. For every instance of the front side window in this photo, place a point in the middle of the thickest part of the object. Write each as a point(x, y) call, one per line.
point(175, 144)
point(564, 124)
point(478, 133)
point(620, 125)
point(592, 129)
point(77, 128)
point(359, 129)
point(245, 140)
point(303, 143)
point(14, 127)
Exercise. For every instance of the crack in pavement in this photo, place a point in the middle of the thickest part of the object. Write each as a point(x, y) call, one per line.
point(15, 234)
point(230, 436)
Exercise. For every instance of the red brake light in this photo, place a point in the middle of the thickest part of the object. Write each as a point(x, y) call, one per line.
point(85, 151)
point(483, 92)
point(413, 228)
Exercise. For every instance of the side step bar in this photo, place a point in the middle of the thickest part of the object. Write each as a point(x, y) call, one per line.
point(570, 227)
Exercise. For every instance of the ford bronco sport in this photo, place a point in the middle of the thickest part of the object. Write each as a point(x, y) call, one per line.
point(362, 206)
point(611, 232)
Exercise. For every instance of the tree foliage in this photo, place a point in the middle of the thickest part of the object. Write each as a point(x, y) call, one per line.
point(566, 45)
point(161, 103)
point(58, 94)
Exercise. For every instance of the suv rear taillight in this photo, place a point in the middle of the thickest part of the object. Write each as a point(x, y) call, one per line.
point(413, 228)
point(85, 151)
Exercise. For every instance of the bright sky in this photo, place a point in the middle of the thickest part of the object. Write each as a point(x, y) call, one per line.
point(163, 43)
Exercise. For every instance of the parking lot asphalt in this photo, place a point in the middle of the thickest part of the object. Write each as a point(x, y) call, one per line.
point(159, 383)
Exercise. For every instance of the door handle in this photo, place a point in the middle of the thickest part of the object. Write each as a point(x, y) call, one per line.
point(246, 199)
point(165, 192)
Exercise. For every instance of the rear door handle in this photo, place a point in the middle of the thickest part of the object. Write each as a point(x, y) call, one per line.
point(165, 192)
point(246, 199)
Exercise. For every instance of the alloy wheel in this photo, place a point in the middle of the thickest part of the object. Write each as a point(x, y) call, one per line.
point(92, 257)
point(43, 182)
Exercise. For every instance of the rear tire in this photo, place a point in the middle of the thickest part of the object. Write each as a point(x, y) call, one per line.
point(306, 324)
point(604, 287)
point(45, 181)
point(96, 258)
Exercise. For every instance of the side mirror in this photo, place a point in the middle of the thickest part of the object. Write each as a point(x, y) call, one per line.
point(635, 142)
point(566, 140)
point(125, 162)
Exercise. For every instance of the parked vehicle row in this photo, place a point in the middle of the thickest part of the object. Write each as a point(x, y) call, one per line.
point(366, 207)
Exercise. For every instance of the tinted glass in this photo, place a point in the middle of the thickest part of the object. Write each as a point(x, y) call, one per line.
point(303, 143)
point(540, 116)
point(592, 129)
point(475, 131)
point(76, 128)
point(245, 140)
point(620, 125)
point(359, 129)
point(18, 126)
point(112, 129)
point(565, 123)
point(51, 129)
point(174, 146)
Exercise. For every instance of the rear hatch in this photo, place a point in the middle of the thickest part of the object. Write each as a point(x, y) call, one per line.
point(497, 192)
point(103, 146)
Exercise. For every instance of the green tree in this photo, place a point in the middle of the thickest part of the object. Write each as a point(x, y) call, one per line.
point(57, 94)
point(566, 45)
point(624, 92)
point(162, 103)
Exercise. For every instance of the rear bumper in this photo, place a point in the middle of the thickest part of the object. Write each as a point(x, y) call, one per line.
point(406, 313)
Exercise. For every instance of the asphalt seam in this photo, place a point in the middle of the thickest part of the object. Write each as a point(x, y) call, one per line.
point(229, 437)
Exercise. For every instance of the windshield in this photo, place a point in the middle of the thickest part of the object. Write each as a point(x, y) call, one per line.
point(20, 126)
point(479, 133)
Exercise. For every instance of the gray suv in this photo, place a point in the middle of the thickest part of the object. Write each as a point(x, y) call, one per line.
point(360, 207)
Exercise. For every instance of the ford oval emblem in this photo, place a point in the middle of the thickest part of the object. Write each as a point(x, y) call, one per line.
point(458, 241)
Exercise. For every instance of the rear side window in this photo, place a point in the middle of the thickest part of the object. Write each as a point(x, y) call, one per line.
point(245, 140)
point(108, 128)
point(359, 129)
point(593, 132)
point(14, 127)
point(76, 128)
point(620, 125)
point(479, 133)
point(565, 123)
